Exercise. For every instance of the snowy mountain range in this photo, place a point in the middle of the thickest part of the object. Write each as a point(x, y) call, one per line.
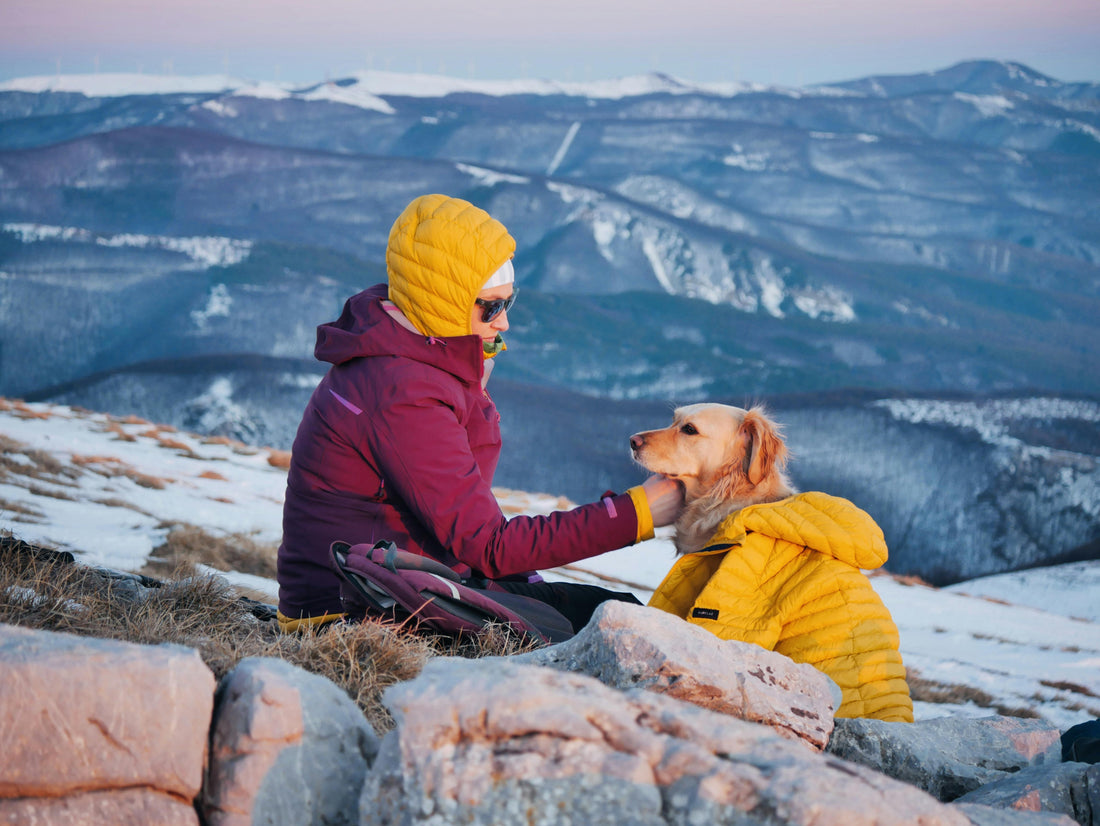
point(937, 231)
point(906, 268)
point(111, 488)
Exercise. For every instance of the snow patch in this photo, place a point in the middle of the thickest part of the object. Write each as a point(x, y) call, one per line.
point(348, 96)
point(649, 249)
point(218, 303)
point(988, 106)
point(825, 303)
point(427, 85)
point(772, 290)
point(220, 108)
point(905, 307)
point(264, 91)
point(215, 411)
point(567, 141)
point(990, 420)
point(571, 194)
point(205, 251)
point(749, 161)
point(490, 177)
point(120, 84)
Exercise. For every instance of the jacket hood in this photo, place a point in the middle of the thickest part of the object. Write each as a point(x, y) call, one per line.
point(365, 329)
point(441, 251)
point(828, 524)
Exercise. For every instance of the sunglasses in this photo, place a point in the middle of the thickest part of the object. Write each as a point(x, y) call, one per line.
point(492, 307)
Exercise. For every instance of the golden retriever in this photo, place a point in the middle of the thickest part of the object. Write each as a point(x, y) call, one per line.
point(725, 457)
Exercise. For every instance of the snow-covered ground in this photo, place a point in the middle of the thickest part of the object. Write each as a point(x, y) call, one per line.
point(110, 489)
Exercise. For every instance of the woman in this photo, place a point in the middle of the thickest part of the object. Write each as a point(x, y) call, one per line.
point(400, 440)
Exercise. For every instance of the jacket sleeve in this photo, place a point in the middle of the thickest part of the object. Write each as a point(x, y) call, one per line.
point(438, 479)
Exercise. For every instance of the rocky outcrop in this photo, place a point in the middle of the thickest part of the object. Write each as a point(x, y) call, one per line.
point(99, 730)
point(629, 646)
point(503, 742)
point(639, 719)
point(950, 756)
point(287, 747)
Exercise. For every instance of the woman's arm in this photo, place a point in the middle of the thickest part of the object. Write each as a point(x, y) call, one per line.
point(424, 453)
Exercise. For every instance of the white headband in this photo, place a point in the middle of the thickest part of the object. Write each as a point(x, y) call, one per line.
point(505, 275)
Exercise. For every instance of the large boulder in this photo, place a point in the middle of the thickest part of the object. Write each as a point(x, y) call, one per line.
point(949, 756)
point(95, 725)
point(288, 747)
point(629, 646)
point(1071, 789)
point(495, 742)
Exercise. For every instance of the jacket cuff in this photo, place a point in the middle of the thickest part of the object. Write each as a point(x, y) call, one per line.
point(641, 508)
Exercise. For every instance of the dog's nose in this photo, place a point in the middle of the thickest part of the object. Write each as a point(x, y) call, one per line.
point(637, 440)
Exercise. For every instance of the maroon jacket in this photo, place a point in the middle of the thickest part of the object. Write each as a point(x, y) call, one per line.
point(400, 442)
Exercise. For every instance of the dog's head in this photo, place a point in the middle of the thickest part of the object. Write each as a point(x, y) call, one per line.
point(726, 454)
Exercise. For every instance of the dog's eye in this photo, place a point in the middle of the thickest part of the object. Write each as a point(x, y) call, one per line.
point(689, 429)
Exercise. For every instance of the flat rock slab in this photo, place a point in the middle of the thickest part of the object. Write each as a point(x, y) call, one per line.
point(84, 714)
point(630, 646)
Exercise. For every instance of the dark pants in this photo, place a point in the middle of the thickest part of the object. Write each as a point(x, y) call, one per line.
point(575, 602)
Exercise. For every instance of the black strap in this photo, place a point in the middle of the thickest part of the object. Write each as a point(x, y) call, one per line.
point(390, 560)
point(721, 546)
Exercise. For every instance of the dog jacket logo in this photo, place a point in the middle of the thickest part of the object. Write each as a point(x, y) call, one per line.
point(705, 613)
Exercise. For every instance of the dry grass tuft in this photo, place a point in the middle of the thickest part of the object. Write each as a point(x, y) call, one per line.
point(930, 691)
point(111, 467)
point(20, 509)
point(205, 613)
point(130, 419)
point(279, 459)
point(364, 659)
point(18, 459)
point(178, 446)
point(1065, 685)
point(22, 411)
point(187, 546)
point(112, 502)
point(52, 493)
point(220, 440)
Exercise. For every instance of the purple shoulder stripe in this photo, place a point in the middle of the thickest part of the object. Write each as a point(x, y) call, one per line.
point(357, 411)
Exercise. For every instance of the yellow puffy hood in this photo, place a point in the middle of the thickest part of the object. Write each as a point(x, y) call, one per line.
point(441, 252)
point(827, 524)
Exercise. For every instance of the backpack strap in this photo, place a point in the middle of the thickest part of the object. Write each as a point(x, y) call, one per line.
point(387, 582)
point(395, 560)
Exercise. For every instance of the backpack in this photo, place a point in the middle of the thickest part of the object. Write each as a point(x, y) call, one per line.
point(383, 581)
point(1081, 743)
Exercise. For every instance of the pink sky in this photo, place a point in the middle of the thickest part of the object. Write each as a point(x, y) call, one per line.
point(782, 41)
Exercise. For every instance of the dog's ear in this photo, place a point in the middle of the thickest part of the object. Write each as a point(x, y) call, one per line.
point(764, 449)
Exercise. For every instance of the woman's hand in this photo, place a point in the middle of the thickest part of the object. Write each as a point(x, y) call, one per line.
point(665, 497)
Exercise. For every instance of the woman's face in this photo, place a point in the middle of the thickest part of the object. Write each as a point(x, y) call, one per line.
point(489, 330)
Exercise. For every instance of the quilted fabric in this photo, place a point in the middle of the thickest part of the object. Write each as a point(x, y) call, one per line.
point(441, 251)
point(792, 583)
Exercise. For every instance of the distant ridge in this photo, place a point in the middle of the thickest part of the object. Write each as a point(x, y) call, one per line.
point(977, 77)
